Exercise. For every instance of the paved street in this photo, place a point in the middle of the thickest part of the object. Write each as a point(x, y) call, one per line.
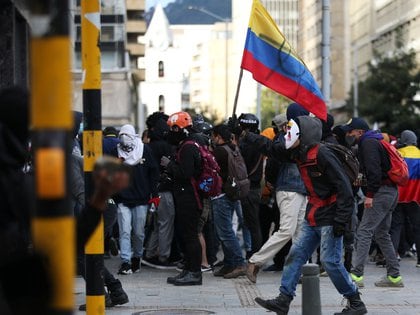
point(150, 294)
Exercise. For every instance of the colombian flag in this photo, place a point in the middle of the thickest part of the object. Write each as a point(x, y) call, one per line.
point(273, 63)
point(411, 191)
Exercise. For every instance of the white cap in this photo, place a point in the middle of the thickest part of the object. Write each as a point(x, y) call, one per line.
point(292, 134)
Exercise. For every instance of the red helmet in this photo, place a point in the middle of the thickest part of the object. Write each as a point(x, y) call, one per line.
point(180, 119)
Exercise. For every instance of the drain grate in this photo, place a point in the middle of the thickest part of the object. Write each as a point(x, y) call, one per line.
point(247, 292)
point(172, 311)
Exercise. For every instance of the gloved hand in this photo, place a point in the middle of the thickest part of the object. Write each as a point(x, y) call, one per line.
point(338, 229)
point(164, 161)
point(155, 201)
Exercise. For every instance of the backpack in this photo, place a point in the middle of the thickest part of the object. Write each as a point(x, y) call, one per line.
point(209, 182)
point(349, 161)
point(345, 156)
point(237, 185)
point(398, 173)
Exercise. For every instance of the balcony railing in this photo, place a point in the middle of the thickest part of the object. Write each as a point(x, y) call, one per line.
point(135, 49)
point(136, 27)
point(135, 5)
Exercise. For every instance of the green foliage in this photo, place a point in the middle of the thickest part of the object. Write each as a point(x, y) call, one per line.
point(272, 104)
point(386, 96)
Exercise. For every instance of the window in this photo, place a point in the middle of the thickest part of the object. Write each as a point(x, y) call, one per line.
point(161, 103)
point(161, 70)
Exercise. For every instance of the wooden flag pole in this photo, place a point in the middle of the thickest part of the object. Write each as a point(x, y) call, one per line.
point(238, 87)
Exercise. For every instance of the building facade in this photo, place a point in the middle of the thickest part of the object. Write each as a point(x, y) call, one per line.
point(121, 23)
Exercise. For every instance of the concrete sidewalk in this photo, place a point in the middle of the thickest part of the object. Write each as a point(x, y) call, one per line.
point(150, 294)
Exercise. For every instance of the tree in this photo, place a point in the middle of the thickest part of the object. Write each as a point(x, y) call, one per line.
point(272, 104)
point(386, 96)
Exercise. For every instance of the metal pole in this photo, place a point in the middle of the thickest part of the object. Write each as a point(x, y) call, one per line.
point(326, 51)
point(238, 87)
point(53, 225)
point(311, 299)
point(259, 102)
point(356, 83)
point(92, 146)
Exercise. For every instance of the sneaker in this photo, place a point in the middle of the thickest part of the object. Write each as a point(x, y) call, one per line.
point(418, 264)
point(235, 273)
point(358, 280)
point(223, 271)
point(113, 246)
point(135, 264)
point(206, 268)
point(389, 281)
point(125, 269)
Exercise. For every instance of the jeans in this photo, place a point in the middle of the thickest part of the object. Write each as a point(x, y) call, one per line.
point(223, 209)
point(131, 219)
point(376, 221)
point(331, 258)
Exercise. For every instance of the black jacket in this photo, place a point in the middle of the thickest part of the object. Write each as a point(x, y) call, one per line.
point(254, 161)
point(186, 166)
point(326, 179)
point(374, 162)
point(160, 147)
point(144, 182)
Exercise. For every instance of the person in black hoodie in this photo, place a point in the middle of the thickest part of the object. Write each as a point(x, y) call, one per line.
point(188, 204)
point(329, 208)
point(158, 247)
point(254, 161)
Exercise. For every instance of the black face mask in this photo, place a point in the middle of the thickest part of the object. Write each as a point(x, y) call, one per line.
point(350, 140)
point(175, 137)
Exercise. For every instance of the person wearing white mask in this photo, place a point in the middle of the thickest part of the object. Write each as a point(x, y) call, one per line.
point(134, 201)
point(329, 208)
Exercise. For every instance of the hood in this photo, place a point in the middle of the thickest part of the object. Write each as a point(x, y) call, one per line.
point(372, 134)
point(310, 132)
point(159, 130)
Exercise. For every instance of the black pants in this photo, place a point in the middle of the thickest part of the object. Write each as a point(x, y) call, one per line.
point(250, 209)
point(187, 215)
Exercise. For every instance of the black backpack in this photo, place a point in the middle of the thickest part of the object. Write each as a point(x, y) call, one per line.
point(345, 156)
point(348, 159)
point(237, 185)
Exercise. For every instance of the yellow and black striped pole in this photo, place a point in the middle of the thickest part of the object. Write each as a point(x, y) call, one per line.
point(92, 146)
point(51, 119)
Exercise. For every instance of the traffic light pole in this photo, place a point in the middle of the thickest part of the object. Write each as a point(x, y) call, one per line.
point(53, 225)
point(92, 146)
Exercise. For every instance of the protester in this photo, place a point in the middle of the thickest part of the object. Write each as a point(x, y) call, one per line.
point(329, 208)
point(408, 196)
point(381, 200)
point(188, 204)
point(254, 164)
point(158, 247)
point(223, 209)
point(133, 202)
point(291, 202)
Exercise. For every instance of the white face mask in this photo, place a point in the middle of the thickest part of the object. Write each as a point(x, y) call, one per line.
point(292, 134)
point(126, 140)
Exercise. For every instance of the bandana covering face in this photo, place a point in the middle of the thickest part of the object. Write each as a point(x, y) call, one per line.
point(131, 147)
